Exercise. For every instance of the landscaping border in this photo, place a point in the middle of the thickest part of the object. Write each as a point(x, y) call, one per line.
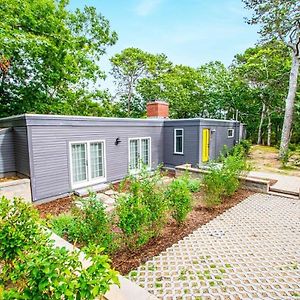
point(249, 183)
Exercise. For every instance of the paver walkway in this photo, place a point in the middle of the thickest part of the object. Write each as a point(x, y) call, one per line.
point(252, 251)
point(284, 182)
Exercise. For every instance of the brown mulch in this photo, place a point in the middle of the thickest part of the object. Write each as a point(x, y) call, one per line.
point(55, 207)
point(124, 261)
point(10, 178)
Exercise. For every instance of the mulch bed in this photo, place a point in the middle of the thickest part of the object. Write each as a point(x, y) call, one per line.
point(55, 207)
point(126, 260)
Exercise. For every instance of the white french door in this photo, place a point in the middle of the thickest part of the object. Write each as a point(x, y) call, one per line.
point(139, 154)
point(87, 163)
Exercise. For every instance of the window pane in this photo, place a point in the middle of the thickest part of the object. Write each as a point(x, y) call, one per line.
point(179, 144)
point(79, 171)
point(145, 155)
point(179, 141)
point(97, 167)
point(133, 154)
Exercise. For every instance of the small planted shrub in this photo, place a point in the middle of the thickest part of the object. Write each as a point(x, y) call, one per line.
point(87, 224)
point(142, 210)
point(180, 199)
point(194, 185)
point(36, 269)
point(223, 179)
point(19, 227)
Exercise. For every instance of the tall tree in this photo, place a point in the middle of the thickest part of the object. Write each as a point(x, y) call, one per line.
point(180, 86)
point(265, 70)
point(132, 65)
point(49, 56)
point(280, 19)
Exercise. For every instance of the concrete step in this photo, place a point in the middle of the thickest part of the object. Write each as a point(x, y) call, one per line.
point(95, 188)
point(281, 191)
point(283, 195)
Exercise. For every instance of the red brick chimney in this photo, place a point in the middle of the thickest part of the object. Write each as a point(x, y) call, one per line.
point(158, 109)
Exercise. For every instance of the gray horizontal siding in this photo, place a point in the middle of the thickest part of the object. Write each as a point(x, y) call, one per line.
point(21, 150)
point(50, 153)
point(7, 155)
point(190, 147)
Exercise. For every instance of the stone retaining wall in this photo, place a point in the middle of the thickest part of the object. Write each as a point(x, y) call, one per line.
point(250, 183)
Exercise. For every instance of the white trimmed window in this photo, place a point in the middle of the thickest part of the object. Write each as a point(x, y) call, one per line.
point(178, 140)
point(230, 132)
point(139, 153)
point(87, 160)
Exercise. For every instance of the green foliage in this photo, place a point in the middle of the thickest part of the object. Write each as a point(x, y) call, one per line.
point(242, 148)
point(222, 179)
point(36, 269)
point(194, 185)
point(48, 57)
point(180, 198)
point(87, 224)
point(142, 209)
point(128, 68)
point(19, 227)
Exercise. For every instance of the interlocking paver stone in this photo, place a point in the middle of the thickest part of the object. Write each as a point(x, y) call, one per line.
point(252, 251)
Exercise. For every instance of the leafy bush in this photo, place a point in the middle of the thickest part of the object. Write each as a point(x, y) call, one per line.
point(19, 227)
point(223, 179)
point(142, 210)
point(194, 185)
point(180, 199)
point(242, 148)
point(36, 269)
point(88, 224)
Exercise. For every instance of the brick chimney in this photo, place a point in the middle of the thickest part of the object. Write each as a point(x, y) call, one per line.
point(158, 109)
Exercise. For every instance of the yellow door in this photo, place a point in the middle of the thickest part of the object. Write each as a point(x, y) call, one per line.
point(205, 144)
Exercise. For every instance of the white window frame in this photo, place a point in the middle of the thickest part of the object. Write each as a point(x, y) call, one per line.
point(136, 171)
point(174, 140)
point(230, 135)
point(89, 180)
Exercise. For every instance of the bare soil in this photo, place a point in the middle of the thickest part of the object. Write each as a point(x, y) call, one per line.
point(264, 158)
point(126, 259)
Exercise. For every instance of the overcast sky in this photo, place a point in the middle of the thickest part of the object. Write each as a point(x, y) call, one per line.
point(189, 32)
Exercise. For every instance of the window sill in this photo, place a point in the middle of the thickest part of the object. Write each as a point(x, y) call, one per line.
point(177, 153)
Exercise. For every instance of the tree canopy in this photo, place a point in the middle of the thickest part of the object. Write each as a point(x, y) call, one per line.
point(49, 57)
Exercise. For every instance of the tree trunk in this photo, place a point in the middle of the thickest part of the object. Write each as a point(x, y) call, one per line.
point(260, 124)
point(269, 129)
point(289, 107)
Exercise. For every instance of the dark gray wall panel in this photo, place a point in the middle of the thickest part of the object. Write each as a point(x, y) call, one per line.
point(50, 153)
point(21, 150)
point(7, 154)
point(191, 145)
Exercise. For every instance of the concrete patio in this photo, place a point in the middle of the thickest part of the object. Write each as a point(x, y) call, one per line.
point(249, 252)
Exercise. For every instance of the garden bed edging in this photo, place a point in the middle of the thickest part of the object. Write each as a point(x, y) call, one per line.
point(249, 183)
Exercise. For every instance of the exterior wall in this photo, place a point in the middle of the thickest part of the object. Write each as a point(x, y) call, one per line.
point(21, 150)
point(7, 153)
point(190, 143)
point(219, 136)
point(49, 148)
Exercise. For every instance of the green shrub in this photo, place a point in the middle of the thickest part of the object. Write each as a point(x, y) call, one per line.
point(242, 148)
point(33, 268)
point(47, 272)
point(88, 224)
point(142, 210)
point(19, 227)
point(134, 220)
point(180, 199)
point(194, 185)
point(223, 179)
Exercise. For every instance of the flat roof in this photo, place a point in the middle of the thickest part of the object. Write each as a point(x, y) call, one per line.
point(89, 118)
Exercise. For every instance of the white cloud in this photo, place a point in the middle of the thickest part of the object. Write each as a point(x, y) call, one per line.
point(145, 7)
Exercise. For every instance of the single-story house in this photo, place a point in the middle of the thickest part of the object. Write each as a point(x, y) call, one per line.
point(63, 153)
